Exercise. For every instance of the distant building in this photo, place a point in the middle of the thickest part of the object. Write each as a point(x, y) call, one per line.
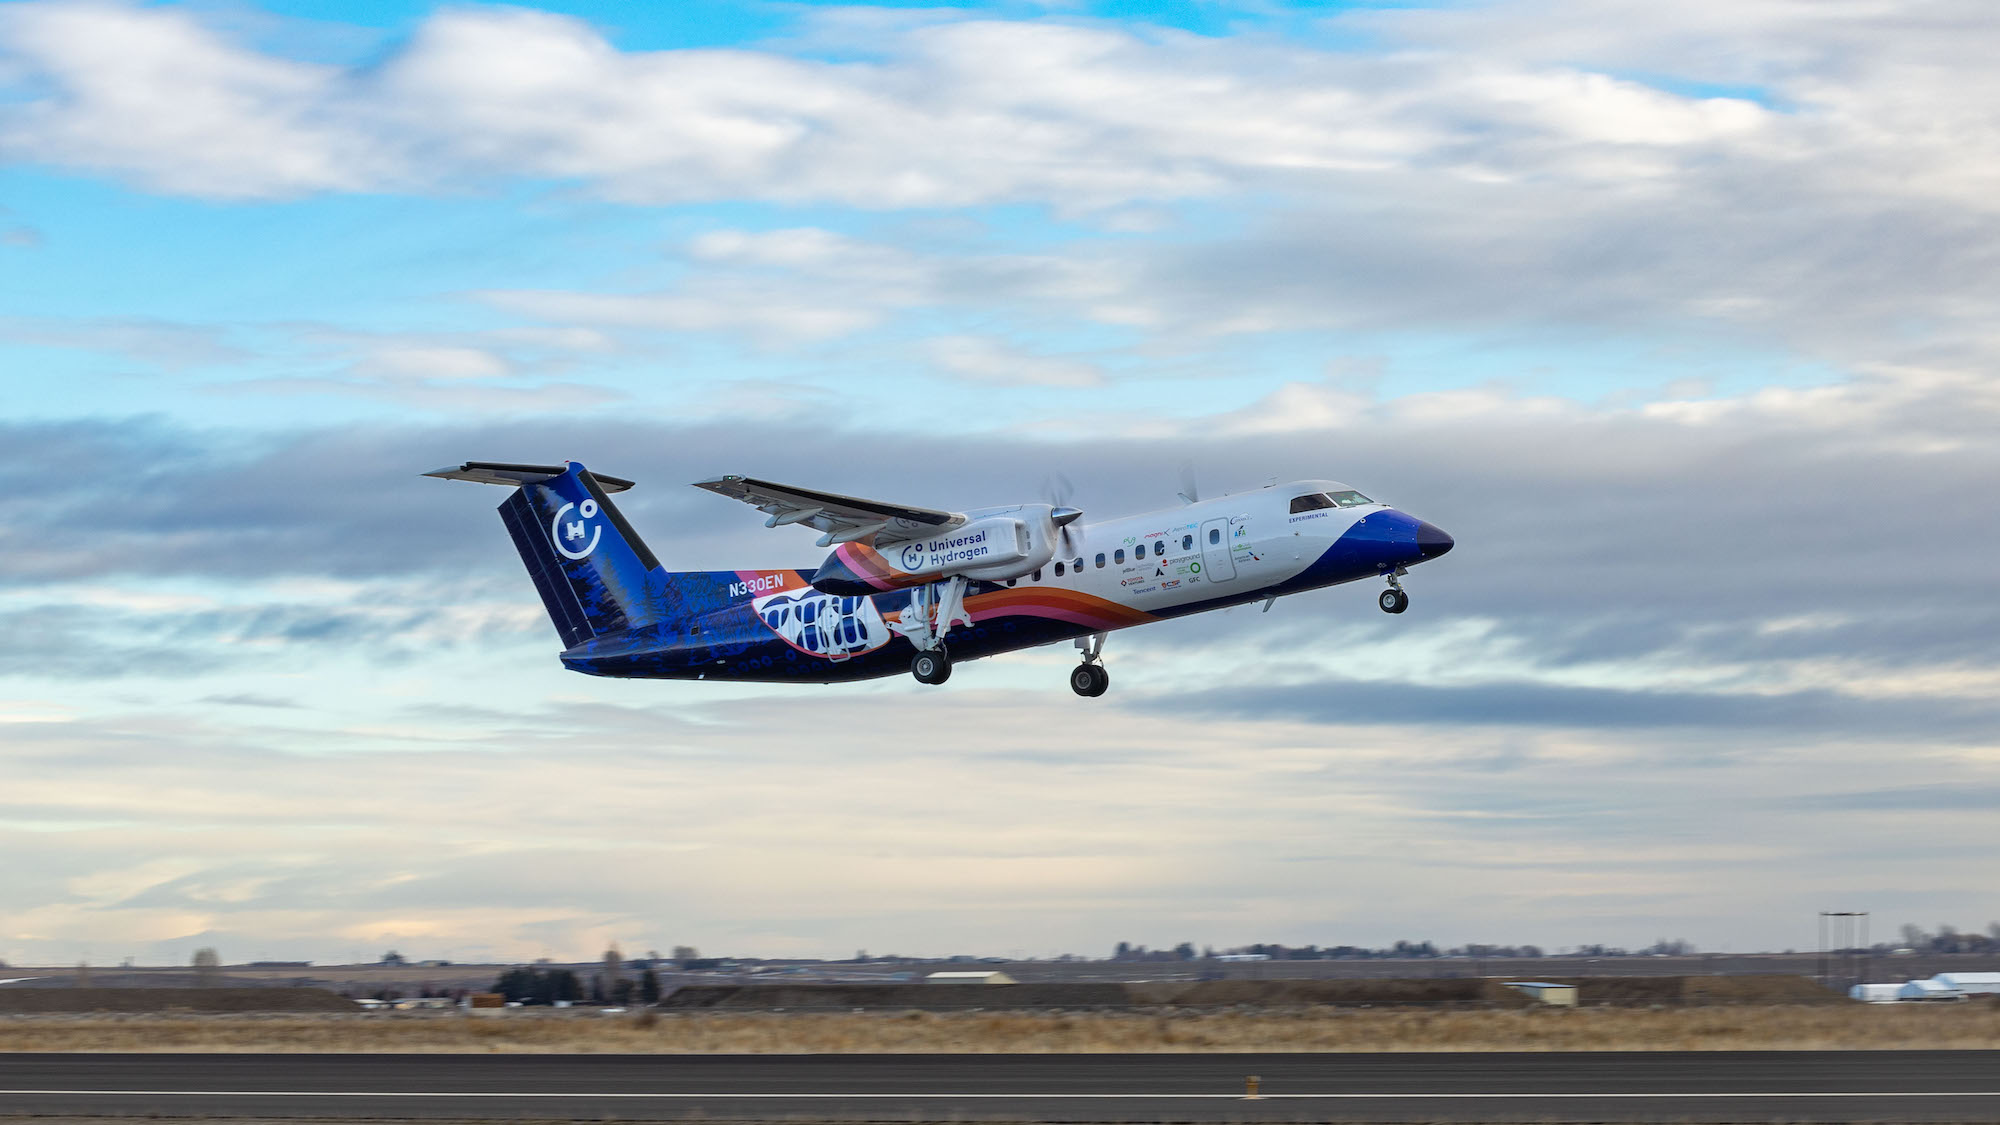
point(1928, 990)
point(420, 1003)
point(1555, 995)
point(986, 977)
point(1875, 993)
point(1971, 984)
point(1243, 957)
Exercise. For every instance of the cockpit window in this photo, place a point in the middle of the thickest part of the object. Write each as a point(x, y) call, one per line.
point(1311, 502)
point(1349, 499)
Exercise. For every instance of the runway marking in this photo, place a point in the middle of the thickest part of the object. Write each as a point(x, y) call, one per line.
point(1514, 1095)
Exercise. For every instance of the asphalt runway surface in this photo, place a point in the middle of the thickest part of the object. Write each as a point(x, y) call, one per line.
point(1484, 1087)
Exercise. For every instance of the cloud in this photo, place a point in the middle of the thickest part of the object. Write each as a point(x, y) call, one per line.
point(1543, 707)
point(980, 359)
point(165, 344)
point(789, 828)
point(956, 112)
point(1797, 178)
point(1757, 544)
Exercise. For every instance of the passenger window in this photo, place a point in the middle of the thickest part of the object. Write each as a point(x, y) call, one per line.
point(1100, 560)
point(1058, 570)
point(1311, 503)
point(1187, 542)
point(1214, 535)
point(1118, 556)
point(1011, 581)
point(1038, 574)
point(1159, 547)
point(1078, 564)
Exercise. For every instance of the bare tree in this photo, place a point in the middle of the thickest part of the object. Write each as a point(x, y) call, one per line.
point(207, 967)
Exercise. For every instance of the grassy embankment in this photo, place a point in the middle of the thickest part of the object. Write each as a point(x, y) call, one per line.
point(1944, 1026)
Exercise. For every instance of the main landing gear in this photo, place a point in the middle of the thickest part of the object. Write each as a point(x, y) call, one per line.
point(931, 666)
point(1089, 679)
point(933, 611)
point(1393, 599)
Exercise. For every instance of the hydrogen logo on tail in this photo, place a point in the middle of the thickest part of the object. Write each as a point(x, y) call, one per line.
point(566, 532)
point(913, 557)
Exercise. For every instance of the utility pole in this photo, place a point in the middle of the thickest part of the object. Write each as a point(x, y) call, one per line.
point(1839, 947)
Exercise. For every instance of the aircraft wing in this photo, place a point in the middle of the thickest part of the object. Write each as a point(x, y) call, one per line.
point(844, 519)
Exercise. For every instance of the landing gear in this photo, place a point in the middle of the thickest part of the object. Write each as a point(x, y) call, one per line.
point(931, 666)
point(1393, 599)
point(1089, 679)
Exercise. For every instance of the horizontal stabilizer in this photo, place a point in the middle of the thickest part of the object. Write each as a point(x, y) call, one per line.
point(500, 472)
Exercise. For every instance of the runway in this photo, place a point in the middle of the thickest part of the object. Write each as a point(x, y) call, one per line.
point(1483, 1087)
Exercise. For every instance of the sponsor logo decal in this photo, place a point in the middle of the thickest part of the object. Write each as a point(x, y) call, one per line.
point(568, 534)
point(763, 583)
point(913, 556)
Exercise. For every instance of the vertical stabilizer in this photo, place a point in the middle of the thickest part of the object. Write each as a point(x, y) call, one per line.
point(594, 573)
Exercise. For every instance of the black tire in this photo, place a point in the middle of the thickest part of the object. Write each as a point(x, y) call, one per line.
point(931, 666)
point(1393, 601)
point(1089, 680)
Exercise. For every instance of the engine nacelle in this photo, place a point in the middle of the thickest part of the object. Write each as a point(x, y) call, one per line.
point(993, 549)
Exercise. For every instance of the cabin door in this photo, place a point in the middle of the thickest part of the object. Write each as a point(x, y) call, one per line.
point(1215, 561)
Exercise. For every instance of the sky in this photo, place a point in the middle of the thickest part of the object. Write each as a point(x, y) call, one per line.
point(1678, 317)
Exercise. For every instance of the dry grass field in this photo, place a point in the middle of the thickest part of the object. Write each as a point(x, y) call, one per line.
point(1944, 1026)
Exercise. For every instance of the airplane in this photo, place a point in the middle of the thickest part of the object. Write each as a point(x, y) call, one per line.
point(921, 588)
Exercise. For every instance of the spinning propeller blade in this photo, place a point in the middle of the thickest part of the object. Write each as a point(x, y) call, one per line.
point(1057, 489)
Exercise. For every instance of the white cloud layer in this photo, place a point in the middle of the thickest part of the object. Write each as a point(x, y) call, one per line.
point(971, 111)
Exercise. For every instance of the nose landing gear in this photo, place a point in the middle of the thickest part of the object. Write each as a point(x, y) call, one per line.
point(1089, 679)
point(1393, 599)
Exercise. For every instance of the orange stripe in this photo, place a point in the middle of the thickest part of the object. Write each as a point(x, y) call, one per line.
point(1019, 600)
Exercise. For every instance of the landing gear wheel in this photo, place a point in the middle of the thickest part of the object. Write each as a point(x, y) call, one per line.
point(931, 666)
point(1089, 680)
point(1393, 601)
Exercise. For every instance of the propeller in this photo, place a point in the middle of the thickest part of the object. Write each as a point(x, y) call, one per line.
point(1057, 490)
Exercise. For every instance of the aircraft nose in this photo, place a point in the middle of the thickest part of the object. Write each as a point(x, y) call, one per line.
point(1432, 540)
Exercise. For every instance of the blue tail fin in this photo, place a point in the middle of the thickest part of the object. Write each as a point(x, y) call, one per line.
point(594, 573)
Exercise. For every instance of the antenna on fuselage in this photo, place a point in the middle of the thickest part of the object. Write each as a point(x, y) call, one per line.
point(1190, 492)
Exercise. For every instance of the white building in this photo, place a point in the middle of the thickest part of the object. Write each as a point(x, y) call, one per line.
point(1931, 989)
point(969, 978)
point(1971, 984)
point(1559, 995)
point(1875, 993)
